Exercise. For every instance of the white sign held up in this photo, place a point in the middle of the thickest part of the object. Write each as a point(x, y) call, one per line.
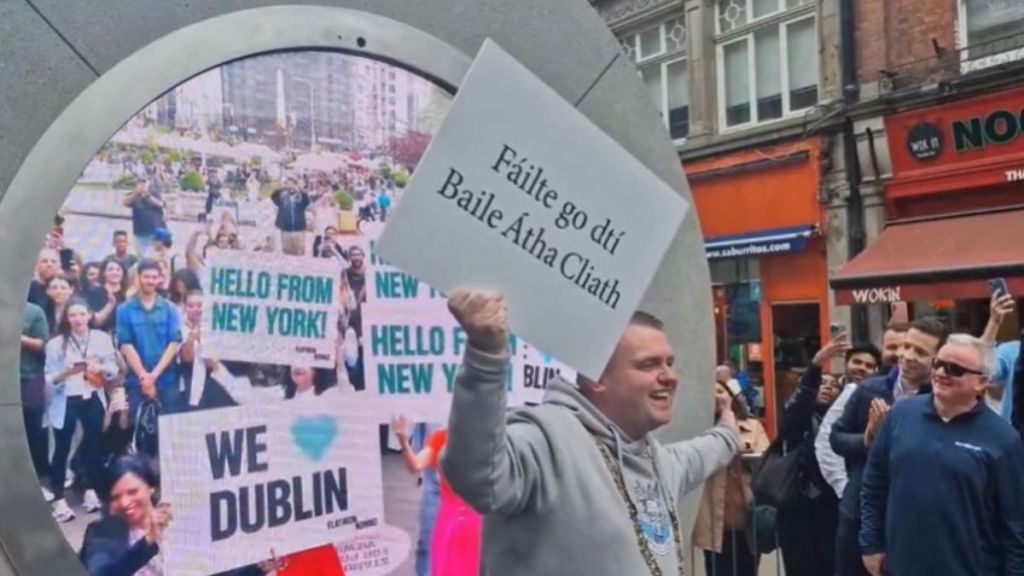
point(270, 308)
point(519, 191)
point(285, 476)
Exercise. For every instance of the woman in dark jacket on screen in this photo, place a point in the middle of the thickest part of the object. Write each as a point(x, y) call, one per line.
point(807, 527)
point(126, 541)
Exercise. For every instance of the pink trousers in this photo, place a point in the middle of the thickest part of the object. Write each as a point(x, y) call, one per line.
point(455, 546)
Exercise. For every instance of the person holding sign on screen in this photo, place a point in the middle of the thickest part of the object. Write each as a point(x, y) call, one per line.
point(576, 485)
point(126, 541)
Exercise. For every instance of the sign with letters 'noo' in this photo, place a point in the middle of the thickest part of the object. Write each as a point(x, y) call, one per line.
point(267, 479)
point(521, 192)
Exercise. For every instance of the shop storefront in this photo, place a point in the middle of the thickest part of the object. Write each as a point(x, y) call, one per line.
point(955, 213)
point(762, 227)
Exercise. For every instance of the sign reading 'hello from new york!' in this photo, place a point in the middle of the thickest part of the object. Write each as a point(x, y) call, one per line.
point(277, 308)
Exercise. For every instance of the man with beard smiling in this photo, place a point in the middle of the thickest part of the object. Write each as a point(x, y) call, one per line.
point(860, 361)
point(944, 484)
point(149, 334)
point(862, 417)
point(576, 485)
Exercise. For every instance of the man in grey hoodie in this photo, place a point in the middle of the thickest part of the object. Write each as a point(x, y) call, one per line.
point(576, 485)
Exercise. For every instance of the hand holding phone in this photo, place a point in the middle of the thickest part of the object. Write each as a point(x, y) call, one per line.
point(67, 257)
point(998, 287)
point(1002, 303)
point(836, 328)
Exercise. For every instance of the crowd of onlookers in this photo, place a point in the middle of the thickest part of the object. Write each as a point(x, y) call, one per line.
point(909, 462)
point(371, 192)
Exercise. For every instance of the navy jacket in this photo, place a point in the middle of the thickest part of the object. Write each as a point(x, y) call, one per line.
point(105, 551)
point(801, 417)
point(945, 497)
point(291, 210)
point(847, 437)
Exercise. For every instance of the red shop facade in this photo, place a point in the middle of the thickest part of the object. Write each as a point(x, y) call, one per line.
point(954, 212)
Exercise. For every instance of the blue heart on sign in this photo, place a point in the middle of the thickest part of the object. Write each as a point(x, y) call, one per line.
point(547, 357)
point(313, 435)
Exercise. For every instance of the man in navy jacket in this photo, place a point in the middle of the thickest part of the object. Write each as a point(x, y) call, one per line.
point(943, 490)
point(863, 416)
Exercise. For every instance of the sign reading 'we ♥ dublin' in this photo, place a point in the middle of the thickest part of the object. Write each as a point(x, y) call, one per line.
point(282, 477)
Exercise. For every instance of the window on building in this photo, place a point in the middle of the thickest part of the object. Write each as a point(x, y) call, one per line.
point(659, 52)
point(992, 31)
point(767, 59)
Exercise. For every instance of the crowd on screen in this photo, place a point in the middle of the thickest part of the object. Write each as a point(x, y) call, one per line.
point(108, 346)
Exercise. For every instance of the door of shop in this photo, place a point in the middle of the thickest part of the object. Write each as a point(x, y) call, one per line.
point(796, 337)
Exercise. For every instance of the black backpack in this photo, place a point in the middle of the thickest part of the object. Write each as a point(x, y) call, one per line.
point(146, 437)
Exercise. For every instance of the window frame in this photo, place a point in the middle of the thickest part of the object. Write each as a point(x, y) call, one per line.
point(662, 60)
point(641, 59)
point(756, 21)
point(783, 21)
point(663, 105)
point(968, 65)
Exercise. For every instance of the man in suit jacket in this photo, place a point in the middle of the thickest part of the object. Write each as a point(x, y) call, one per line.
point(862, 418)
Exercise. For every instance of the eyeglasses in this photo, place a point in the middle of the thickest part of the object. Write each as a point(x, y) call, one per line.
point(953, 369)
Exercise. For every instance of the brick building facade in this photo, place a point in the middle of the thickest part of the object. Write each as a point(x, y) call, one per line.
point(926, 69)
point(785, 115)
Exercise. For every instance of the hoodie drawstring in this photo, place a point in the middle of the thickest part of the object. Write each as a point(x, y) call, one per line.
point(622, 466)
point(670, 500)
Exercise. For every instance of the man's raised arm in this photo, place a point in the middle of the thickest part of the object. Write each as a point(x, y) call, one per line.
point(496, 468)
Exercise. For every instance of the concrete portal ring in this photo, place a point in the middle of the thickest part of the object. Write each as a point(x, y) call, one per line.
point(565, 43)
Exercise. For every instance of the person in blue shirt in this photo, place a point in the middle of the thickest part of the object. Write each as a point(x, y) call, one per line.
point(384, 203)
point(1007, 355)
point(1001, 307)
point(149, 334)
point(943, 489)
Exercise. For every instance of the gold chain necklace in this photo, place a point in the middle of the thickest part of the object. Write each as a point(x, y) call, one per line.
point(634, 515)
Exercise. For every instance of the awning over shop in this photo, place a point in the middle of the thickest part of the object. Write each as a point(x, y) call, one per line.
point(759, 243)
point(950, 257)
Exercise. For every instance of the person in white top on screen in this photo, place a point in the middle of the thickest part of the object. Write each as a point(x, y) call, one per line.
point(78, 362)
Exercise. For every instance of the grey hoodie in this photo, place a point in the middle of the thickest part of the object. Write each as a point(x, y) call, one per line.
point(550, 504)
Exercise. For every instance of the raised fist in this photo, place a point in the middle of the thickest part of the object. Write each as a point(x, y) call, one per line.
point(483, 316)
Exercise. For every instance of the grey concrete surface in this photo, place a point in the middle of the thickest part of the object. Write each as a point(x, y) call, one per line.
point(41, 76)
